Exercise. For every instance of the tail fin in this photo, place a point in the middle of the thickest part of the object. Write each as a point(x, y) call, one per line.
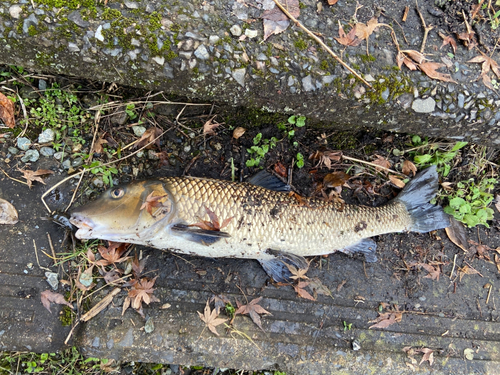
point(416, 196)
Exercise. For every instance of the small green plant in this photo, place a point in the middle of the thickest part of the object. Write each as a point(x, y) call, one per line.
point(347, 326)
point(230, 310)
point(130, 110)
point(298, 121)
point(279, 373)
point(259, 149)
point(469, 203)
point(434, 155)
point(106, 171)
point(300, 160)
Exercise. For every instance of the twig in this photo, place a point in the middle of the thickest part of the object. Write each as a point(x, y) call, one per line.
point(318, 40)
point(101, 305)
point(454, 263)
point(426, 28)
point(37, 260)
point(12, 178)
point(373, 165)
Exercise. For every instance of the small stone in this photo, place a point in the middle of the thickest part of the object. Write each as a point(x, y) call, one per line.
point(239, 76)
point(77, 162)
point(307, 84)
point(461, 100)
point(149, 326)
point(152, 155)
point(42, 84)
point(235, 30)
point(30, 156)
point(73, 47)
point(23, 143)
point(98, 34)
point(48, 135)
point(86, 279)
point(159, 60)
point(424, 105)
point(52, 279)
point(369, 78)
point(187, 148)
point(251, 33)
point(261, 57)
point(76, 17)
point(138, 130)
point(98, 182)
point(66, 164)
point(202, 53)
point(15, 11)
point(58, 155)
point(131, 4)
point(47, 151)
point(385, 94)
point(13, 150)
point(213, 39)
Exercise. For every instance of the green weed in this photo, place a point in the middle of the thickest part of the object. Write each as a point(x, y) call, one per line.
point(469, 203)
point(107, 171)
point(347, 326)
point(259, 149)
point(300, 160)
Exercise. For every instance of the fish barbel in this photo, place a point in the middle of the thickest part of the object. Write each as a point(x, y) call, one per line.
point(263, 221)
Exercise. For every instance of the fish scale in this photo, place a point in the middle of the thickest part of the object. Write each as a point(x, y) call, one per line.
point(302, 227)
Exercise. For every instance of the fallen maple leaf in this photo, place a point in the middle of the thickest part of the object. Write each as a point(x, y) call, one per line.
point(428, 356)
point(487, 64)
point(335, 179)
point(98, 144)
point(213, 224)
point(325, 158)
point(142, 291)
point(32, 176)
point(220, 301)
point(348, 40)
point(149, 136)
point(112, 254)
point(401, 59)
point(7, 111)
point(253, 309)
point(451, 41)
point(430, 69)
point(152, 201)
point(275, 21)
point(210, 126)
point(364, 31)
point(299, 288)
point(434, 272)
point(297, 274)
point(386, 319)
point(409, 167)
point(467, 270)
point(318, 288)
point(210, 318)
point(48, 296)
point(383, 162)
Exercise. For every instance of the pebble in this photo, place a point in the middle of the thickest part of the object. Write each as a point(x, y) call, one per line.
point(86, 279)
point(30, 156)
point(202, 53)
point(461, 100)
point(424, 105)
point(52, 279)
point(98, 182)
point(48, 135)
point(213, 39)
point(66, 164)
point(58, 155)
point(98, 34)
point(77, 162)
point(138, 130)
point(235, 30)
point(152, 155)
point(149, 326)
point(251, 33)
point(15, 11)
point(47, 151)
point(239, 76)
point(13, 150)
point(23, 143)
point(307, 84)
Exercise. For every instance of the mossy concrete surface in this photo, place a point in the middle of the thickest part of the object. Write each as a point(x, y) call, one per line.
point(214, 50)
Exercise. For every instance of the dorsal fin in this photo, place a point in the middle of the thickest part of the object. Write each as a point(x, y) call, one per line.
point(269, 181)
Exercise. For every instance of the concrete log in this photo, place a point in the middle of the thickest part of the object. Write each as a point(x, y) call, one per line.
point(214, 50)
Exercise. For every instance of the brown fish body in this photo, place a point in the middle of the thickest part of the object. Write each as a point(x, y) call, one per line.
point(267, 225)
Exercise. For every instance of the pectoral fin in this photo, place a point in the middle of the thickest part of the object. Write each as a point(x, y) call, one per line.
point(276, 267)
point(202, 236)
point(366, 246)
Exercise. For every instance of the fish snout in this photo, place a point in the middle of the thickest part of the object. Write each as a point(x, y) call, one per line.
point(84, 224)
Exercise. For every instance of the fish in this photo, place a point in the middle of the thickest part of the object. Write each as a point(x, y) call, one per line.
point(261, 219)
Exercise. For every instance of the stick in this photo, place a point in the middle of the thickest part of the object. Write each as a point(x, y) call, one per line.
point(373, 165)
point(426, 28)
point(453, 269)
point(318, 40)
point(101, 305)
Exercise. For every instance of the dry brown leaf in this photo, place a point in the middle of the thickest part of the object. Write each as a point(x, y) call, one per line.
point(349, 39)
point(210, 126)
point(428, 356)
point(253, 309)
point(383, 162)
point(397, 181)
point(48, 296)
point(275, 14)
point(451, 41)
point(332, 2)
point(32, 176)
point(7, 111)
point(434, 272)
point(467, 270)
point(213, 224)
point(149, 136)
point(280, 169)
point(364, 31)
point(325, 158)
point(8, 213)
point(112, 254)
point(430, 69)
point(98, 144)
point(416, 56)
point(487, 64)
point(210, 318)
point(401, 59)
point(142, 291)
point(335, 179)
point(299, 288)
point(386, 319)
point(457, 234)
point(238, 132)
point(409, 167)
point(220, 301)
point(297, 274)
point(318, 288)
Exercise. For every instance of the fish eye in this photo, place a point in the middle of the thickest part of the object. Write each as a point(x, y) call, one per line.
point(117, 193)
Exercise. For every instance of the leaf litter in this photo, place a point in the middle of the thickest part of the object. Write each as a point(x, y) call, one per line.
point(210, 318)
point(253, 309)
point(48, 296)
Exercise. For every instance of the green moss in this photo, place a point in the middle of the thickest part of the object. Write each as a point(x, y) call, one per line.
point(301, 44)
point(367, 58)
point(324, 65)
point(32, 30)
point(302, 5)
point(70, 4)
point(171, 55)
point(356, 67)
point(66, 316)
point(154, 21)
point(343, 140)
point(111, 14)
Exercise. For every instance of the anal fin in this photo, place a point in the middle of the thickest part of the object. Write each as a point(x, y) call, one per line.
point(198, 235)
point(366, 246)
point(276, 267)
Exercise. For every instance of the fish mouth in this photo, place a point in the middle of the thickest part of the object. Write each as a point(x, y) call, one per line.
point(84, 224)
